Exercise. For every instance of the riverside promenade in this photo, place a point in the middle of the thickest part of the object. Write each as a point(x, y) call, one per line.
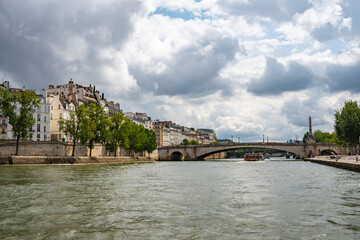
point(339, 161)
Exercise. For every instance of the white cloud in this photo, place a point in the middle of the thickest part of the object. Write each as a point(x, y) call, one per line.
point(199, 70)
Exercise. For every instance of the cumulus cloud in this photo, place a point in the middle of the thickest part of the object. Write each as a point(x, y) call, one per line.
point(45, 42)
point(278, 79)
point(197, 63)
point(278, 10)
point(344, 77)
point(193, 70)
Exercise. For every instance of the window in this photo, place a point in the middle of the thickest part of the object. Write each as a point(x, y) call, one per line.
point(51, 116)
point(45, 137)
point(38, 128)
point(59, 107)
point(30, 136)
point(38, 137)
point(39, 117)
point(44, 128)
point(44, 118)
point(52, 108)
point(60, 115)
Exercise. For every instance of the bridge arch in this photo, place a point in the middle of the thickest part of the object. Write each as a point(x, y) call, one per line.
point(245, 147)
point(176, 156)
point(327, 152)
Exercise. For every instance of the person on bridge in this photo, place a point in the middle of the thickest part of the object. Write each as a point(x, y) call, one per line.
point(357, 158)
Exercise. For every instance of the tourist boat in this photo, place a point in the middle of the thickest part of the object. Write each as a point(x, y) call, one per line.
point(253, 157)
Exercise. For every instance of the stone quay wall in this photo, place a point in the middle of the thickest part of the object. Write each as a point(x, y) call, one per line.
point(338, 161)
point(60, 149)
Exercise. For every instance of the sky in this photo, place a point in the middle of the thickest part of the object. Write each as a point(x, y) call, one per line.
point(245, 68)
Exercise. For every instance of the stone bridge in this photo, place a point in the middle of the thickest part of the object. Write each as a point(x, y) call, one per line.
point(200, 152)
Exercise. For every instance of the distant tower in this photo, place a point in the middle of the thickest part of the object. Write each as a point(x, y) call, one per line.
point(310, 138)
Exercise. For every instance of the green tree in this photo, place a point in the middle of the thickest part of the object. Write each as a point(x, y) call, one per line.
point(185, 142)
point(150, 143)
point(137, 138)
point(78, 127)
point(21, 121)
point(98, 124)
point(306, 135)
point(347, 123)
point(193, 142)
point(117, 133)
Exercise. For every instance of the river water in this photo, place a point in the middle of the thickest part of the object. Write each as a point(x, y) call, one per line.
point(227, 199)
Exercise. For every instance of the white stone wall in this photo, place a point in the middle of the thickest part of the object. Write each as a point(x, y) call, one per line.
point(40, 131)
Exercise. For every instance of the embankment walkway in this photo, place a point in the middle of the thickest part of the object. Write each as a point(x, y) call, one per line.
point(344, 162)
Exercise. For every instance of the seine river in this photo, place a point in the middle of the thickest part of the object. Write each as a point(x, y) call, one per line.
point(227, 199)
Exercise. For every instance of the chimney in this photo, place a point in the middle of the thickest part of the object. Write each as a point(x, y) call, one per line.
point(310, 127)
point(44, 93)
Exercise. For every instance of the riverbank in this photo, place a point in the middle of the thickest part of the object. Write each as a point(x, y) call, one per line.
point(344, 162)
point(40, 160)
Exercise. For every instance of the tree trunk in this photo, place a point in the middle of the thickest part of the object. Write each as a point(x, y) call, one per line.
point(17, 146)
point(91, 145)
point(115, 153)
point(73, 151)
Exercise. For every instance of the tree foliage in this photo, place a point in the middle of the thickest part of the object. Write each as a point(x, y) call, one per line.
point(185, 142)
point(150, 143)
point(78, 126)
point(322, 137)
point(22, 120)
point(193, 142)
point(117, 133)
point(347, 123)
point(98, 124)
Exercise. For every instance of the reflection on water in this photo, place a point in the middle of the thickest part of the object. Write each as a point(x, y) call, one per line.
point(227, 199)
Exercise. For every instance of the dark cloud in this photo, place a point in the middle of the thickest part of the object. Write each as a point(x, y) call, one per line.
point(194, 70)
point(276, 79)
point(279, 10)
point(344, 78)
point(34, 36)
point(329, 32)
point(297, 112)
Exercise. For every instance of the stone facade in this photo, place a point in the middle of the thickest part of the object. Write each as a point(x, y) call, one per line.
point(140, 119)
point(40, 131)
point(60, 109)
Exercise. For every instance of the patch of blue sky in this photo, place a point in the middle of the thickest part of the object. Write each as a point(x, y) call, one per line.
point(336, 46)
point(270, 29)
point(183, 14)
